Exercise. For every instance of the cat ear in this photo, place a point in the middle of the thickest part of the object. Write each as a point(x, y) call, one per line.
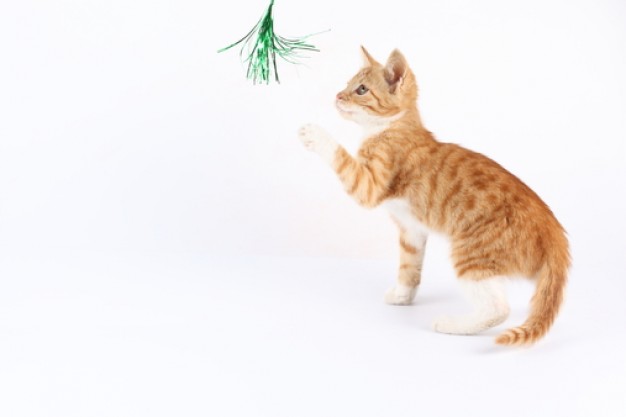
point(395, 70)
point(368, 60)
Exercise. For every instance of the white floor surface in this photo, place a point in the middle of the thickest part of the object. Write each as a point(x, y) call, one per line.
point(95, 334)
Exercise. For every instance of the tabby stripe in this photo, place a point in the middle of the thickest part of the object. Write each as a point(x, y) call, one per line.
point(475, 225)
point(356, 180)
point(370, 185)
point(375, 178)
point(490, 241)
point(344, 164)
point(443, 206)
point(382, 160)
point(407, 248)
point(472, 260)
point(434, 179)
point(403, 162)
point(376, 98)
point(480, 227)
point(478, 267)
point(456, 165)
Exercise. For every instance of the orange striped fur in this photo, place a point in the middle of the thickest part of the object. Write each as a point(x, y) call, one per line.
point(497, 225)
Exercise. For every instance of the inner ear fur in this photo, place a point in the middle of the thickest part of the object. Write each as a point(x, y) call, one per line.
point(395, 70)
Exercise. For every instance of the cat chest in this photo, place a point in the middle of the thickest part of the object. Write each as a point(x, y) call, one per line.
point(401, 211)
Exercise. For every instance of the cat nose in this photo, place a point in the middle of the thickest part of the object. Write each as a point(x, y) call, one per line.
point(341, 96)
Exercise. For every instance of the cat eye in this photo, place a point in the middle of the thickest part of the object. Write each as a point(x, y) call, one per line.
point(361, 90)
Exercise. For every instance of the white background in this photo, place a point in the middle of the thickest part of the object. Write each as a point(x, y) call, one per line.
point(167, 246)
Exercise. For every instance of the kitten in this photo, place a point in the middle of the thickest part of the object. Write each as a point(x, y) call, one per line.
point(498, 227)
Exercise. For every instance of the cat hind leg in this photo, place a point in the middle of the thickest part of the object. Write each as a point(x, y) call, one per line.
point(490, 307)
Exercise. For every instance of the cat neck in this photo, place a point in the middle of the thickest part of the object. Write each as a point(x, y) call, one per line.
point(409, 118)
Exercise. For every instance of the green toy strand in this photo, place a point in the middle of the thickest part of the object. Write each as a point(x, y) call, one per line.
point(263, 45)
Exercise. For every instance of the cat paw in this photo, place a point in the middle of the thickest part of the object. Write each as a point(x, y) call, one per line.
point(316, 139)
point(312, 135)
point(450, 325)
point(468, 324)
point(400, 295)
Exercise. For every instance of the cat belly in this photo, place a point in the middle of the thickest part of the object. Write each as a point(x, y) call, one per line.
point(400, 210)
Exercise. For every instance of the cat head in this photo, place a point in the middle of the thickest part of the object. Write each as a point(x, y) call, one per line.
point(378, 92)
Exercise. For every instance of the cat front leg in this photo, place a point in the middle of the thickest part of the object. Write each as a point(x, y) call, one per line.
point(366, 178)
point(412, 245)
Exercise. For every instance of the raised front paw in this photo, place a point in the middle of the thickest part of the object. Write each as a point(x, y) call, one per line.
point(313, 137)
point(316, 139)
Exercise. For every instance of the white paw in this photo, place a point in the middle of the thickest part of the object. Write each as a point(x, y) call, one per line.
point(468, 324)
point(316, 139)
point(400, 295)
point(450, 325)
point(312, 136)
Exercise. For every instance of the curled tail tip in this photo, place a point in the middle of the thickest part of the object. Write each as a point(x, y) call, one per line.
point(508, 338)
point(520, 336)
point(545, 305)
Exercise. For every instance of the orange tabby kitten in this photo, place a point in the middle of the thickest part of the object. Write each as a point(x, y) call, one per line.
point(497, 225)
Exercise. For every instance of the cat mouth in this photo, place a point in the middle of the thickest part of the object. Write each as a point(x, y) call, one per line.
point(342, 110)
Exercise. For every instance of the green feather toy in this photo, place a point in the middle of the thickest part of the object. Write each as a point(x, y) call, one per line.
point(262, 46)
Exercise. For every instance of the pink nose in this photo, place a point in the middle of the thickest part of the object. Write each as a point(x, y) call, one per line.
point(341, 96)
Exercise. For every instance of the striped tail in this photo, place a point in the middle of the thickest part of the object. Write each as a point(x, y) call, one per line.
point(545, 302)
